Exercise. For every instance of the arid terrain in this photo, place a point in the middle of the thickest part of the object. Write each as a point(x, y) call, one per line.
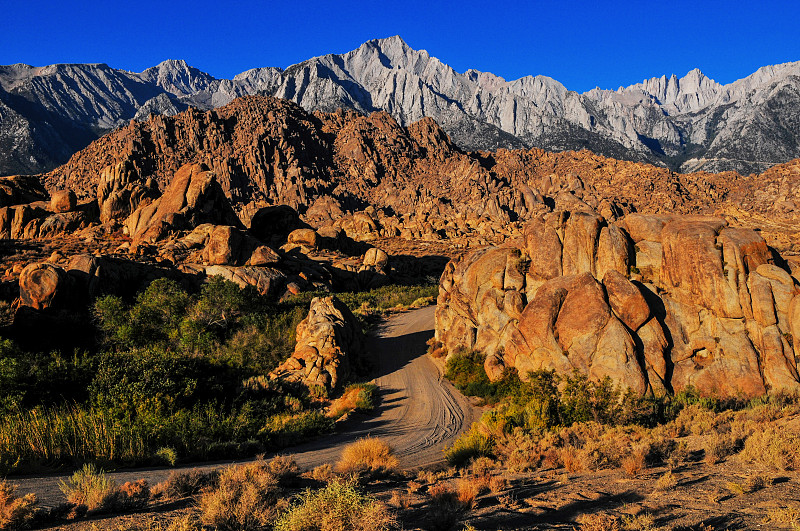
point(440, 338)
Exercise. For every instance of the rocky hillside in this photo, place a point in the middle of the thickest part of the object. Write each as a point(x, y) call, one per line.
point(688, 123)
point(656, 303)
point(266, 151)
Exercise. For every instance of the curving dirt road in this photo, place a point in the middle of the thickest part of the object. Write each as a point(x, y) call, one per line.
point(420, 413)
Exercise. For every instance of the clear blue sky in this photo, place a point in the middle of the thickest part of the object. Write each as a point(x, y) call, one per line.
point(581, 44)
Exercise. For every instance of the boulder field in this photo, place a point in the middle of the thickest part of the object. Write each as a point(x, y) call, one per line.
point(658, 303)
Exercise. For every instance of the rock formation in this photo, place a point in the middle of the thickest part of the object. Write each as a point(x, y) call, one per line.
point(329, 346)
point(657, 303)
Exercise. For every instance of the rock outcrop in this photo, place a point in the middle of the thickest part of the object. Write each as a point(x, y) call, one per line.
point(329, 346)
point(192, 198)
point(657, 303)
point(372, 178)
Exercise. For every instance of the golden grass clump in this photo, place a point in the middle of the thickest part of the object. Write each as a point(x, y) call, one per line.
point(339, 506)
point(599, 522)
point(717, 447)
point(468, 489)
point(572, 459)
point(370, 455)
point(635, 462)
point(323, 473)
point(90, 487)
point(181, 484)
point(775, 447)
point(245, 498)
point(667, 481)
point(15, 512)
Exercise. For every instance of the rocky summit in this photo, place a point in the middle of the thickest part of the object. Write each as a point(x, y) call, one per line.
point(686, 124)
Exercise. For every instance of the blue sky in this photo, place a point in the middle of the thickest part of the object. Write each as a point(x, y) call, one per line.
point(581, 44)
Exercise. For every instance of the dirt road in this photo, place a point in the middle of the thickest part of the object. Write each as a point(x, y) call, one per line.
point(419, 414)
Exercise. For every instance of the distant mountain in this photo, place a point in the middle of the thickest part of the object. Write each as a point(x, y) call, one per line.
point(687, 124)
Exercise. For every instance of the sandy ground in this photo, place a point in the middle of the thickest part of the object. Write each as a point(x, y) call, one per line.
point(419, 414)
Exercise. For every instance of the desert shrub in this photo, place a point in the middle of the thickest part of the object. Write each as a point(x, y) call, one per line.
point(634, 462)
point(469, 488)
point(468, 446)
point(599, 522)
point(133, 495)
point(667, 481)
point(323, 473)
point(400, 499)
point(340, 506)
point(284, 467)
point(355, 397)
point(15, 512)
point(717, 447)
point(245, 498)
point(573, 460)
point(182, 483)
point(370, 455)
point(773, 446)
point(167, 455)
point(285, 429)
point(91, 487)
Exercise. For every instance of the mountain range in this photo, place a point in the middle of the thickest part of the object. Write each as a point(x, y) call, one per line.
point(686, 124)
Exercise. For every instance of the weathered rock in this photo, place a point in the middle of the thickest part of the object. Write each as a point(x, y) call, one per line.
point(63, 201)
point(192, 198)
point(712, 311)
point(42, 286)
point(329, 346)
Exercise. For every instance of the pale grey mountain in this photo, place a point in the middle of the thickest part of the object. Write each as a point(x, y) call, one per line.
point(685, 123)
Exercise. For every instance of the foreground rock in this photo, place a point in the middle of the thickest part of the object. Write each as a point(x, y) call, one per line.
point(657, 303)
point(329, 346)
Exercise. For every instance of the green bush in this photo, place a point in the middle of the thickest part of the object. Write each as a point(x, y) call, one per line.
point(340, 506)
point(469, 446)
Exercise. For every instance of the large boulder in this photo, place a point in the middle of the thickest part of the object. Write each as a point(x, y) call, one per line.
point(43, 286)
point(329, 346)
point(193, 197)
point(657, 303)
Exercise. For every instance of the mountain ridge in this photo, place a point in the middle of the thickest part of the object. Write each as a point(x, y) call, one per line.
point(684, 123)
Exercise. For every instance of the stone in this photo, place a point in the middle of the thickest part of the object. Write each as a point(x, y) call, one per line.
point(329, 348)
point(63, 201)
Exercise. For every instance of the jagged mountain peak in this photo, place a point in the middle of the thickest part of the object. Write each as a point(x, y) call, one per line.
point(667, 120)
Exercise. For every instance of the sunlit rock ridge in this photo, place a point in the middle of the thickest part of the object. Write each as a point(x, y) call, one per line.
point(688, 123)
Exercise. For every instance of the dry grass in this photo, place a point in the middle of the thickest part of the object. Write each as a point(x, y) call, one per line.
point(283, 467)
point(370, 455)
point(245, 498)
point(356, 397)
point(468, 489)
point(667, 481)
point(400, 499)
point(15, 512)
point(188, 483)
point(573, 460)
point(599, 522)
point(635, 462)
point(339, 506)
point(323, 473)
point(90, 487)
point(775, 447)
point(497, 484)
point(787, 515)
point(717, 447)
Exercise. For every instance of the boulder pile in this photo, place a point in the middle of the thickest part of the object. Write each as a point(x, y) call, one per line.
point(658, 303)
